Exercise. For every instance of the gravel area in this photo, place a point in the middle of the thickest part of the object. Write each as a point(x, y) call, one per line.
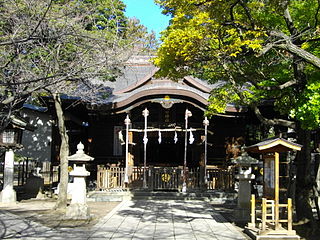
point(42, 211)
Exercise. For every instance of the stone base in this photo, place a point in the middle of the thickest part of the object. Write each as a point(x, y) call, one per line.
point(254, 233)
point(8, 196)
point(77, 212)
point(40, 195)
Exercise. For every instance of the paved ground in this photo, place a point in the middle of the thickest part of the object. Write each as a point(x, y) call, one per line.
point(141, 219)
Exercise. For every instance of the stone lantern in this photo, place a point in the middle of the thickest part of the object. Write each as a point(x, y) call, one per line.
point(78, 209)
point(10, 139)
point(245, 176)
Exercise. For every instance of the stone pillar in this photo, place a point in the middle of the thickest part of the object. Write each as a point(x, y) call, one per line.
point(244, 197)
point(8, 194)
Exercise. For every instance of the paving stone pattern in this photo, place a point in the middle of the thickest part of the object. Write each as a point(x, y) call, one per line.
point(140, 219)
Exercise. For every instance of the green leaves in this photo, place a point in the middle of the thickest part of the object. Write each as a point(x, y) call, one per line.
point(307, 109)
point(243, 43)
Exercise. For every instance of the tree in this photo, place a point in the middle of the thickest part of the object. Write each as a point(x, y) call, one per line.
point(261, 50)
point(61, 47)
point(47, 42)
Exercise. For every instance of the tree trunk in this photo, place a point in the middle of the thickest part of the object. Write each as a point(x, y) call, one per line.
point(304, 183)
point(317, 185)
point(64, 152)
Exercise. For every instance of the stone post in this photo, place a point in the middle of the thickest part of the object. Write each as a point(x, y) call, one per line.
point(8, 194)
point(244, 196)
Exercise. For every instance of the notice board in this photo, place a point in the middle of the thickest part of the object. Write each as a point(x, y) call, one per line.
point(269, 176)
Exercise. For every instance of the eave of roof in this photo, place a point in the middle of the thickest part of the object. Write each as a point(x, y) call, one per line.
point(35, 108)
point(274, 145)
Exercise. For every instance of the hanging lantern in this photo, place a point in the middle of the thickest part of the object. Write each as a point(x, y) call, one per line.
point(11, 137)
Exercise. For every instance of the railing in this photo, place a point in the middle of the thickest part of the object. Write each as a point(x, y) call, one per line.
point(166, 178)
point(24, 168)
point(49, 173)
point(220, 178)
point(112, 177)
point(195, 179)
point(268, 219)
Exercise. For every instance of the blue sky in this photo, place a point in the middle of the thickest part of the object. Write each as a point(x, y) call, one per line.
point(148, 13)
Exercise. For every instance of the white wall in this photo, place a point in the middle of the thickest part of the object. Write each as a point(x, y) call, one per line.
point(37, 144)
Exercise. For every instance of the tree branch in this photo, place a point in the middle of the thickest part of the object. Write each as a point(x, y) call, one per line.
point(231, 10)
point(266, 121)
point(295, 50)
point(30, 37)
point(278, 87)
point(272, 122)
point(201, 3)
point(287, 17)
point(246, 9)
point(316, 15)
point(285, 43)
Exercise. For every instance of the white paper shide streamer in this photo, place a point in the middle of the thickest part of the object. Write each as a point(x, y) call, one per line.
point(159, 139)
point(145, 139)
point(175, 139)
point(191, 138)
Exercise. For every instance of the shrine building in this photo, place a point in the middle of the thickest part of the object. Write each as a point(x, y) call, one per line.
point(102, 129)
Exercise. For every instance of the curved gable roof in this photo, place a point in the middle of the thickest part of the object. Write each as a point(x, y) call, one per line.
point(139, 84)
point(188, 80)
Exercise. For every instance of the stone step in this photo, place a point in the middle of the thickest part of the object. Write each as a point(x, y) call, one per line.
point(218, 197)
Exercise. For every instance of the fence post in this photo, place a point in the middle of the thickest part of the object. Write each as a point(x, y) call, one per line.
point(252, 224)
point(289, 214)
point(27, 168)
point(19, 174)
point(264, 214)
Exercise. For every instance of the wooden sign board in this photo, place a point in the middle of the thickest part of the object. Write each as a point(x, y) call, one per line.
point(269, 176)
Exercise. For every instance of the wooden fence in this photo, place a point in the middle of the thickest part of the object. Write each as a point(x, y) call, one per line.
point(108, 178)
point(164, 178)
point(220, 178)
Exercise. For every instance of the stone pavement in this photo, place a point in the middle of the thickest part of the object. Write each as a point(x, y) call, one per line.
point(140, 219)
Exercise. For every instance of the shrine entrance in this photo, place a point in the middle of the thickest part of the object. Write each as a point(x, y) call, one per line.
point(163, 154)
point(166, 145)
point(166, 135)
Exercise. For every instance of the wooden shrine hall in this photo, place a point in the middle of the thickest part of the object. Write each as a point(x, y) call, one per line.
point(137, 136)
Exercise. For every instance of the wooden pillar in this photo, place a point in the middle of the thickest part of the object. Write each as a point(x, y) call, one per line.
point(276, 191)
point(130, 155)
point(253, 210)
point(289, 214)
point(127, 123)
point(264, 214)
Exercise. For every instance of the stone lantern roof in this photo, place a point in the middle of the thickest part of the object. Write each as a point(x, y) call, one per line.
point(80, 156)
point(244, 159)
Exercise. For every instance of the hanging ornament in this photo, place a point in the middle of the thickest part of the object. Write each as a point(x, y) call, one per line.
point(175, 139)
point(159, 139)
point(191, 139)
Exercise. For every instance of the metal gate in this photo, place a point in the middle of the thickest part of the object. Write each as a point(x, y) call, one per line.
point(165, 178)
